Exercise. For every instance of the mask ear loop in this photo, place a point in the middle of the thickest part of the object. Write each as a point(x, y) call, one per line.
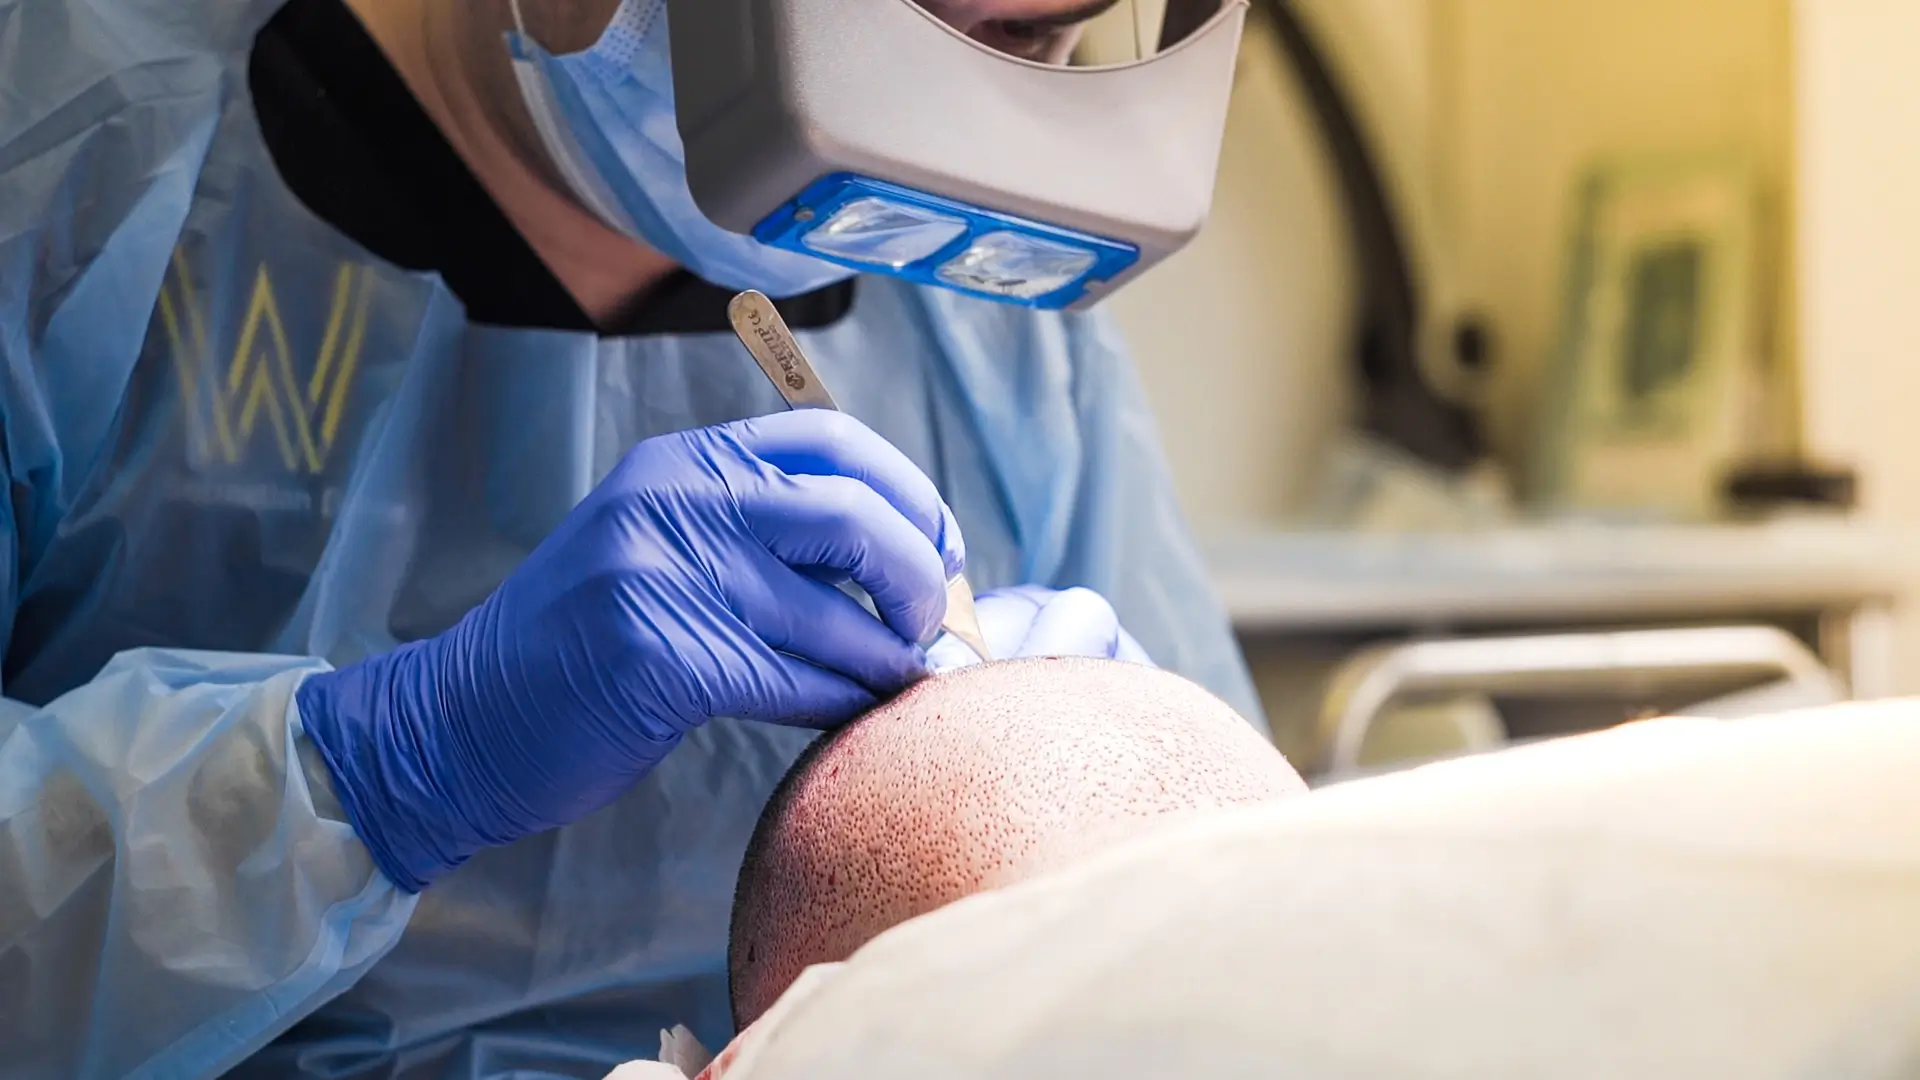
point(585, 185)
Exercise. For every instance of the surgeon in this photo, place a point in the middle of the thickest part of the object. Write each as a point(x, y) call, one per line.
point(404, 563)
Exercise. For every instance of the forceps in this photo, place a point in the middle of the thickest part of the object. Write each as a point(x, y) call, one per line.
point(765, 334)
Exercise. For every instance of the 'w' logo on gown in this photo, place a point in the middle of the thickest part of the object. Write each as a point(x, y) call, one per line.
point(227, 399)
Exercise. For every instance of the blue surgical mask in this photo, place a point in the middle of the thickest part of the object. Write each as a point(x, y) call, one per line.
point(606, 118)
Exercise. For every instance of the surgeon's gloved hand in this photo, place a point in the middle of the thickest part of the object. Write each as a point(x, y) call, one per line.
point(692, 583)
point(1032, 620)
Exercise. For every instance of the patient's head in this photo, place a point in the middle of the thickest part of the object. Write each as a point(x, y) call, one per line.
point(970, 781)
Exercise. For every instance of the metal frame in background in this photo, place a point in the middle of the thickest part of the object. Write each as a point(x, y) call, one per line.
point(1400, 406)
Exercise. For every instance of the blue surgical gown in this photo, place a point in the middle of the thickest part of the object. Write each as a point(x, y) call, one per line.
point(241, 448)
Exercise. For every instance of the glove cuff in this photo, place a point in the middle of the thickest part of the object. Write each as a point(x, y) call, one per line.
point(375, 747)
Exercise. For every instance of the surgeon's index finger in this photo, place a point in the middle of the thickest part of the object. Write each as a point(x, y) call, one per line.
point(840, 524)
point(820, 443)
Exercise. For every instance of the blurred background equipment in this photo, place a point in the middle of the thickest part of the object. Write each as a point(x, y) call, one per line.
point(1760, 488)
point(1725, 672)
point(1653, 384)
point(1309, 605)
point(1521, 319)
point(1413, 371)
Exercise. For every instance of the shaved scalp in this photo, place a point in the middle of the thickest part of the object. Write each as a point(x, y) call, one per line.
point(970, 781)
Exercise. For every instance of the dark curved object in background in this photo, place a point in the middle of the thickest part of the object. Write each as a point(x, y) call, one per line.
point(1399, 405)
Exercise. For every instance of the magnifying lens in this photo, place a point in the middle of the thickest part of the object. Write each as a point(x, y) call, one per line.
point(1041, 157)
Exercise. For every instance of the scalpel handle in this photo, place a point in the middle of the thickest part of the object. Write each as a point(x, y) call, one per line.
point(765, 334)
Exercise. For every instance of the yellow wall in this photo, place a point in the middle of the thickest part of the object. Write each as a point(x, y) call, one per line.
point(1493, 108)
point(1242, 338)
point(1858, 208)
point(1527, 93)
point(1486, 111)
point(1860, 213)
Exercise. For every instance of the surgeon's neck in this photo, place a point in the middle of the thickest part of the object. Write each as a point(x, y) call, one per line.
point(451, 55)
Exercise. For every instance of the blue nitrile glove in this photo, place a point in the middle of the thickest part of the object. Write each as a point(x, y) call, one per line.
point(1032, 620)
point(693, 583)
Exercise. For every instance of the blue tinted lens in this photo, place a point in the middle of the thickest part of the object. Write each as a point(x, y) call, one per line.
point(1017, 266)
point(884, 232)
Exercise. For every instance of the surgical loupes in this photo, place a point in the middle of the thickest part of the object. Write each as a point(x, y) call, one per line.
point(766, 336)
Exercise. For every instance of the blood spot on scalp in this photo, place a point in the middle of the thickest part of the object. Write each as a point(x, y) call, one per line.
point(971, 781)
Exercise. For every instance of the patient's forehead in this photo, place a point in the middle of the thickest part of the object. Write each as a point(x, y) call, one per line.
point(979, 778)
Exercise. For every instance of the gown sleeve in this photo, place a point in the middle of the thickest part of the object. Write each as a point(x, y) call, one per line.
point(178, 884)
point(177, 881)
